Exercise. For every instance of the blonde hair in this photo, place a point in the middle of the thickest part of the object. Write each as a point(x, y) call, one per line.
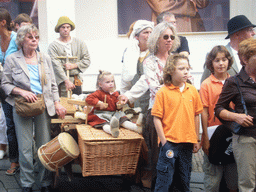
point(153, 39)
point(130, 29)
point(170, 67)
point(21, 33)
point(101, 76)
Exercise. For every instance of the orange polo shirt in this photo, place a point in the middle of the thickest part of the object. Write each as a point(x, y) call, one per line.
point(209, 92)
point(177, 111)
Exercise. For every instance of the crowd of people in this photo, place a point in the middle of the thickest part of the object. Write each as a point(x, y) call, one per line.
point(155, 77)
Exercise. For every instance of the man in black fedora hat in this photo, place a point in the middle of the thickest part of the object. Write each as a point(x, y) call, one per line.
point(239, 29)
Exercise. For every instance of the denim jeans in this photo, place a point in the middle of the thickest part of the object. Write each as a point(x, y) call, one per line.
point(174, 159)
point(11, 133)
point(26, 129)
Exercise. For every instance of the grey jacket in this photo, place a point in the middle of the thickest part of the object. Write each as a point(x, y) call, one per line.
point(16, 74)
point(232, 71)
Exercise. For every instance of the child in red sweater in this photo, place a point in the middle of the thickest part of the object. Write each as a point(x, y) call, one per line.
point(107, 112)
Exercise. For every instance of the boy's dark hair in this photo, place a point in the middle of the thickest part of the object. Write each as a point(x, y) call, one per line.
point(170, 67)
point(23, 17)
point(212, 55)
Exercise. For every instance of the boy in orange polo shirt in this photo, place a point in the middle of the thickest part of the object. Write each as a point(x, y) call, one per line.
point(176, 117)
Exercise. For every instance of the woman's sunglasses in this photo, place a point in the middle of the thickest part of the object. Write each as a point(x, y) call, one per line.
point(166, 37)
point(32, 37)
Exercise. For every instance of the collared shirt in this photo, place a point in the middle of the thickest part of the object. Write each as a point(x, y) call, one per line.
point(236, 57)
point(67, 46)
point(177, 110)
point(209, 93)
point(230, 93)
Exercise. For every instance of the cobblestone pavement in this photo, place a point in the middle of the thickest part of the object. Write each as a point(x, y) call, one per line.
point(197, 161)
point(97, 184)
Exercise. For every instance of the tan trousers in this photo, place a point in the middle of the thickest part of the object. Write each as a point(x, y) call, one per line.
point(245, 155)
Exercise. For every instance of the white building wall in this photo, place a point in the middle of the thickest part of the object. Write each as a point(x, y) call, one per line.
point(96, 24)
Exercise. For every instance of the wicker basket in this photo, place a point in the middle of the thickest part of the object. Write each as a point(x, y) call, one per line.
point(101, 154)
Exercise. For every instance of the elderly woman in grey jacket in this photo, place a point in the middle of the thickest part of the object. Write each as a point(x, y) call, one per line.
point(22, 74)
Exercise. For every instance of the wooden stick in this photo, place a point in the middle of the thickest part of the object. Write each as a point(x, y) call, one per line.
point(105, 99)
point(69, 92)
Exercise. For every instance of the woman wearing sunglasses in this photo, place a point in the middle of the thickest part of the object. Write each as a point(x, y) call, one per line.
point(162, 41)
point(28, 73)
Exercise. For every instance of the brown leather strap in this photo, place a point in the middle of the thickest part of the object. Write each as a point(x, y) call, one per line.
point(77, 81)
point(43, 79)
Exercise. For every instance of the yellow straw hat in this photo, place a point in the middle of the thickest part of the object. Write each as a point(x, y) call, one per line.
point(63, 20)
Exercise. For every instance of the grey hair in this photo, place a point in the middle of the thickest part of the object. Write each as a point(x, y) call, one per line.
point(21, 33)
point(161, 16)
point(157, 32)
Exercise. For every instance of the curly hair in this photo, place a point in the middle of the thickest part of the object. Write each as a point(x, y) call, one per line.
point(170, 67)
point(247, 48)
point(153, 39)
point(212, 55)
point(101, 76)
point(21, 33)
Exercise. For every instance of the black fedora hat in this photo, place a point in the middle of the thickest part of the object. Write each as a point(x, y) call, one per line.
point(238, 23)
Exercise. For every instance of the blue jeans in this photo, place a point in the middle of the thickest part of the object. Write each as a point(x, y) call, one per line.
point(174, 159)
point(11, 133)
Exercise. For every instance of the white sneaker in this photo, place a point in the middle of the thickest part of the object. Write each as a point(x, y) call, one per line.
point(114, 127)
point(2, 154)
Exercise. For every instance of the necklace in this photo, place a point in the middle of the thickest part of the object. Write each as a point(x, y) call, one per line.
point(29, 57)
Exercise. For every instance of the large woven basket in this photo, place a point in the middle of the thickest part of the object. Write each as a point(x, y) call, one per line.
point(101, 154)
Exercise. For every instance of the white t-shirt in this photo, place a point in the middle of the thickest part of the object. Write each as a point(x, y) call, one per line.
point(67, 46)
point(236, 58)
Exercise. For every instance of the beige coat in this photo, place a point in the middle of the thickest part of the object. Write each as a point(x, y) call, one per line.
point(16, 74)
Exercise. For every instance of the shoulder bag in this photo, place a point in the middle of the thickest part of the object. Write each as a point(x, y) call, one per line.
point(221, 151)
point(27, 109)
point(232, 125)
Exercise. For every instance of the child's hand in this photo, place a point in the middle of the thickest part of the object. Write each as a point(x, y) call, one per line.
point(102, 105)
point(196, 147)
point(87, 109)
point(120, 104)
